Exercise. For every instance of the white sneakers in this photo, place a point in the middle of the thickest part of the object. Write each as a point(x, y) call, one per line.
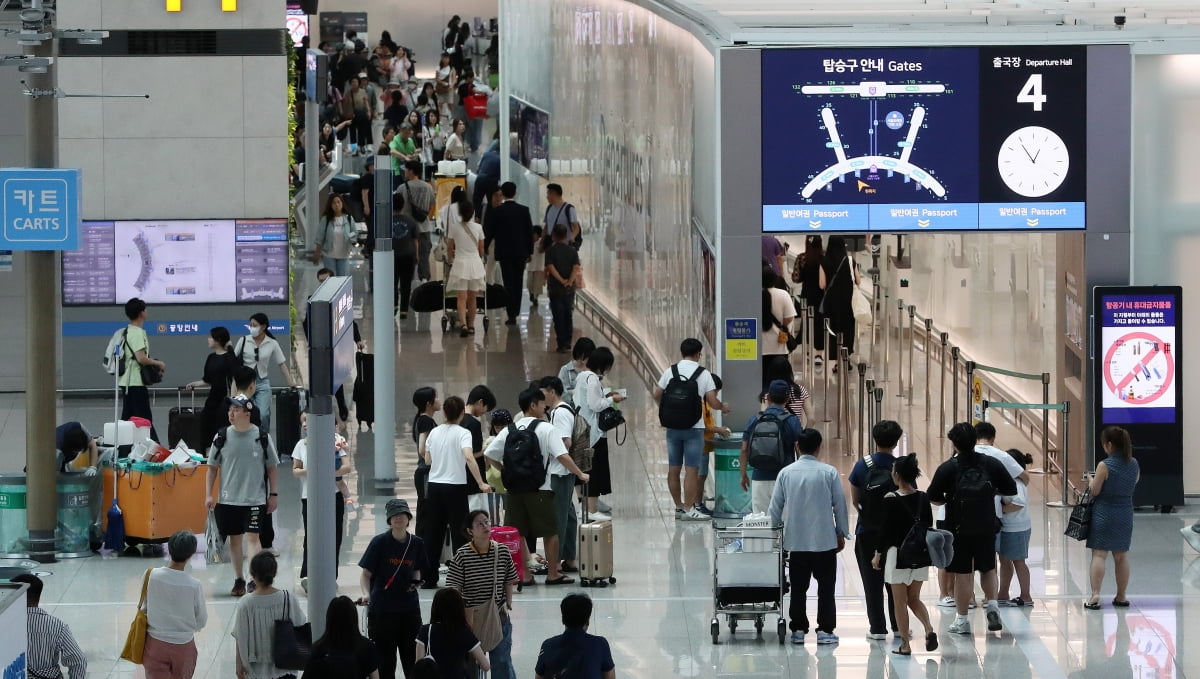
point(691, 514)
point(1191, 537)
point(946, 602)
point(960, 626)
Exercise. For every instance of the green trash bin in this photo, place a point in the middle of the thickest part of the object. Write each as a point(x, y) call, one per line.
point(14, 534)
point(732, 502)
point(72, 527)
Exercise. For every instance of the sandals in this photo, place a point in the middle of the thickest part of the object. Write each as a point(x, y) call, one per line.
point(560, 580)
point(239, 588)
point(931, 642)
point(529, 583)
point(1092, 605)
point(1120, 604)
point(904, 649)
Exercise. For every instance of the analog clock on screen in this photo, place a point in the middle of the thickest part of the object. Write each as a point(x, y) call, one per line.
point(1033, 161)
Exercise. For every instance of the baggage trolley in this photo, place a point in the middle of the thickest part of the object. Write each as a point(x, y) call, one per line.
point(748, 578)
point(450, 317)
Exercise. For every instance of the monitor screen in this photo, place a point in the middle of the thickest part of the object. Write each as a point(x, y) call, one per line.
point(1138, 354)
point(219, 261)
point(530, 127)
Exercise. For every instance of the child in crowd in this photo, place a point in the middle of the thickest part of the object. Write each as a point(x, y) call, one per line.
point(535, 279)
point(1012, 543)
point(711, 431)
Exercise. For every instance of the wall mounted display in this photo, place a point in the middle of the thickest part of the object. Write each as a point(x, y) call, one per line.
point(530, 129)
point(912, 139)
point(219, 261)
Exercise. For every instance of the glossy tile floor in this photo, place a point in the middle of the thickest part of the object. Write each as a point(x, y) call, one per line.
point(657, 615)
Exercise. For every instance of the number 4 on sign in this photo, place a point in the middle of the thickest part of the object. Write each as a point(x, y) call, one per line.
point(226, 5)
point(1031, 92)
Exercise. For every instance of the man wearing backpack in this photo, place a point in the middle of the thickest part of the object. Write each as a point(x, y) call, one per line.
point(870, 481)
point(680, 393)
point(768, 445)
point(968, 484)
point(523, 453)
point(571, 429)
point(135, 353)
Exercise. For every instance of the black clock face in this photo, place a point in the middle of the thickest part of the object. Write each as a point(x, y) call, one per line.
point(1032, 124)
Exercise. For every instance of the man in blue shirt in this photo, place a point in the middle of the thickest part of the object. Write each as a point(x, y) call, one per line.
point(869, 483)
point(762, 481)
point(575, 653)
point(809, 502)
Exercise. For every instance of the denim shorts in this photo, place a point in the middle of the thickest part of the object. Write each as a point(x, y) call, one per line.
point(1013, 546)
point(685, 447)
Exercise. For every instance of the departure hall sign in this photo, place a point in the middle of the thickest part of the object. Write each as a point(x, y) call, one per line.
point(923, 139)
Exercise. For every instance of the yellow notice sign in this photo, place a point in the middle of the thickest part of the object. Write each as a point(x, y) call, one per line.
point(976, 399)
point(741, 339)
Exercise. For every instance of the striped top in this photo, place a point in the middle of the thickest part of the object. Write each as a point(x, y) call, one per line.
point(51, 643)
point(474, 575)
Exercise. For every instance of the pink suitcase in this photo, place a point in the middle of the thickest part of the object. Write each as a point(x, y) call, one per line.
point(511, 538)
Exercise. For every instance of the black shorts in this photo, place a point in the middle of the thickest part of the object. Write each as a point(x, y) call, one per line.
point(973, 553)
point(237, 520)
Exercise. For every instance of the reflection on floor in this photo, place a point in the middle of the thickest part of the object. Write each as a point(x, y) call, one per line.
point(657, 616)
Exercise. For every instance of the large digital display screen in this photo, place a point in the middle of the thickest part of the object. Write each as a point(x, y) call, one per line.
point(1138, 352)
point(530, 130)
point(220, 261)
point(914, 139)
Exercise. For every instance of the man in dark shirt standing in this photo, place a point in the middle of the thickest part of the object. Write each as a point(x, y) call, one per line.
point(870, 481)
point(511, 227)
point(971, 517)
point(563, 276)
point(480, 401)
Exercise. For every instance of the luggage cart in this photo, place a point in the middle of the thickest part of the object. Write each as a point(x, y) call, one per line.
point(748, 578)
point(450, 317)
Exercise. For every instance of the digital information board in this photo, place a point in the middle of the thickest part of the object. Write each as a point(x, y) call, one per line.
point(1136, 357)
point(220, 261)
point(914, 139)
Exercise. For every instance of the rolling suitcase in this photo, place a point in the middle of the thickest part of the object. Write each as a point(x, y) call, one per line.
point(185, 424)
point(288, 405)
point(364, 388)
point(595, 551)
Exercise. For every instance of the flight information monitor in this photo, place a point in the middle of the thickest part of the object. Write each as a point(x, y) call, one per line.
point(219, 261)
point(914, 139)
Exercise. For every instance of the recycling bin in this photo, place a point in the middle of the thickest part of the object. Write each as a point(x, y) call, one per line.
point(731, 501)
point(74, 521)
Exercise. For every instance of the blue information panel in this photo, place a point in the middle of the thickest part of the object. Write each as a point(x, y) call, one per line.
point(41, 209)
point(949, 139)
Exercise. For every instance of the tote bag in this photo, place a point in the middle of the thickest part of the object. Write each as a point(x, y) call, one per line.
point(485, 618)
point(1080, 523)
point(135, 642)
point(293, 643)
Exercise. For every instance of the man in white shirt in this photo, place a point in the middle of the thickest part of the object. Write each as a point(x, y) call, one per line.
point(685, 445)
point(532, 512)
point(985, 444)
point(562, 417)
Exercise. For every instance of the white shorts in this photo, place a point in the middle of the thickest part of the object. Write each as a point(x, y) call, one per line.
point(760, 495)
point(901, 576)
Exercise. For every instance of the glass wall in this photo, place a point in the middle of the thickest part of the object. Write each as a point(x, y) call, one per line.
point(620, 87)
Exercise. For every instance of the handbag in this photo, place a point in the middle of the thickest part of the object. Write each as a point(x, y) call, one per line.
point(1080, 523)
point(292, 646)
point(476, 105)
point(485, 618)
point(135, 642)
point(860, 306)
point(785, 337)
point(417, 213)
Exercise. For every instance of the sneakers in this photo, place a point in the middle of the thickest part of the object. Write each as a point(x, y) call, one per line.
point(603, 507)
point(703, 510)
point(304, 584)
point(797, 637)
point(993, 618)
point(680, 515)
point(1191, 537)
point(876, 636)
point(1015, 602)
point(960, 626)
point(694, 514)
point(946, 602)
point(825, 638)
point(599, 516)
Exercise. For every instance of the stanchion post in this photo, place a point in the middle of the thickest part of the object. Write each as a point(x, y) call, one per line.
point(878, 406)
point(862, 401)
point(825, 380)
point(912, 340)
point(900, 348)
point(865, 425)
point(942, 403)
point(886, 329)
point(1065, 458)
point(954, 354)
point(840, 385)
point(970, 390)
point(928, 358)
point(811, 340)
point(844, 391)
point(1046, 466)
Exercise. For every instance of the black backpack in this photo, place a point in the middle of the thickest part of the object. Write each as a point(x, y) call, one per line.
point(877, 484)
point(914, 549)
point(524, 471)
point(682, 404)
point(767, 451)
point(222, 438)
point(974, 500)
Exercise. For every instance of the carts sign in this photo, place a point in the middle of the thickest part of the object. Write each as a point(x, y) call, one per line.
point(226, 5)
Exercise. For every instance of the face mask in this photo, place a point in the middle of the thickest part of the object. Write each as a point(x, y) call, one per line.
point(255, 330)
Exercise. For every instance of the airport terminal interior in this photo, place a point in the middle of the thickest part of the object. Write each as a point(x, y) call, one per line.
point(1007, 181)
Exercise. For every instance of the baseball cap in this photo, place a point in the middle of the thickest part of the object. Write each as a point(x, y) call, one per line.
point(778, 390)
point(397, 506)
point(241, 401)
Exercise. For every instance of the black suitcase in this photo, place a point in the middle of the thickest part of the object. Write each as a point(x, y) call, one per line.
point(288, 405)
point(364, 388)
point(185, 424)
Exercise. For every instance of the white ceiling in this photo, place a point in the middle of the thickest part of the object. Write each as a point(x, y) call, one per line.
point(941, 21)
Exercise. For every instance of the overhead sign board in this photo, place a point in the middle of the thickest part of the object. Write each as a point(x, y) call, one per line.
point(41, 209)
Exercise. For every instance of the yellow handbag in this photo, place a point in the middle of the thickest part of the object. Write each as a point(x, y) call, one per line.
point(135, 643)
point(494, 480)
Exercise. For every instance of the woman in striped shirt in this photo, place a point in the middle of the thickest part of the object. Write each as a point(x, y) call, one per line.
point(483, 571)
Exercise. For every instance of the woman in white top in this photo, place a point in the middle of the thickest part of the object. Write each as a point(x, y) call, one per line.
point(254, 621)
point(456, 148)
point(467, 274)
point(335, 237)
point(591, 397)
point(450, 457)
point(175, 612)
point(260, 350)
point(446, 83)
point(434, 149)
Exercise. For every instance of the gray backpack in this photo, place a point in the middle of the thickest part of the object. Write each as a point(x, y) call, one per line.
point(767, 451)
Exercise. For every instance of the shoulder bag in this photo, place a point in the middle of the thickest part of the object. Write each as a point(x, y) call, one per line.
point(417, 213)
point(1080, 524)
point(785, 336)
point(485, 618)
point(135, 642)
point(860, 306)
point(292, 646)
point(824, 308)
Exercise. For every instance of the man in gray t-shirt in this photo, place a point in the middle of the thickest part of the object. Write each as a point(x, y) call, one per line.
point(239, 455)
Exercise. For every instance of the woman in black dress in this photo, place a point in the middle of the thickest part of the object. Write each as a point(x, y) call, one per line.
point(218, 373)
point(810, 289)
point(838, 276)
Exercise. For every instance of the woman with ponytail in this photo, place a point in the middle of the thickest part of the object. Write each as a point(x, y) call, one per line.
point(904, 507)
point(260, 350)
point(1112, 514)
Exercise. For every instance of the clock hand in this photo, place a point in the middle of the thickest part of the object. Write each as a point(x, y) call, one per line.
point(1035, 156)
point(1027, 155)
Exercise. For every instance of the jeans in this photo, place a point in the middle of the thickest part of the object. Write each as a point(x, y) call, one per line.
point(562, 308)
point(339, 266)
point(501, 655)
point(445, 508)
point(339, 521)
point(262, 401)
point(563, 486)
point(512, 272)
point(394, 633)
point(874, 587)
point(685, 447)
point(424, 247)
point(474, 133)
point(405, 268)
point(803, 567)
point(137, 404)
